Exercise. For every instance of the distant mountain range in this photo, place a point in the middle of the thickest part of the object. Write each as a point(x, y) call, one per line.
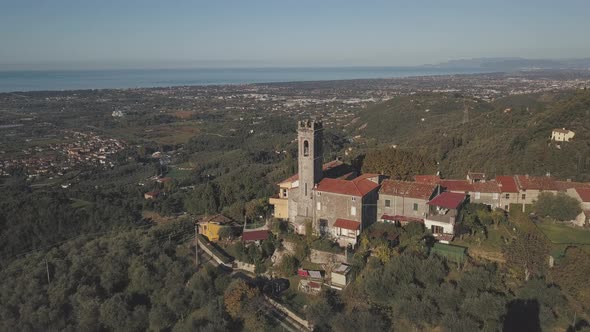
point(509, 64)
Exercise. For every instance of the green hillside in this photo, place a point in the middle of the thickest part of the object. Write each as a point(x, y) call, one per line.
point(508, 135)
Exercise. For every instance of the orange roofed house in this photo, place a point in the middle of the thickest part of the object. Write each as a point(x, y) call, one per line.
point(402, 201)
point(444, 211)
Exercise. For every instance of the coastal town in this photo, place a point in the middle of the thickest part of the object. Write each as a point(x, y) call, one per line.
point(81, 150)
point(304, 193)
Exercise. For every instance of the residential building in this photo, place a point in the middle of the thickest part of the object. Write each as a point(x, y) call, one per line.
point(210, 226)
point(583, 196)
point(344, 207)
point(509, 192)
point(402, 201)
point(255, 236)
point(562, 135)
point(531, 186)
point(340, 276)
point(479, 191)
point(443, 216)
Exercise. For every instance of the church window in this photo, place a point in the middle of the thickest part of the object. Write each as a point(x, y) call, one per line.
point(305, 148)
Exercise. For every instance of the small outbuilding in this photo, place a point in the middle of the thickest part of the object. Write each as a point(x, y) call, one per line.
point(341, 276)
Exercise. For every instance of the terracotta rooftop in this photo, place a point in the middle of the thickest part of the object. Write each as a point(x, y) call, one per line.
point(357, 187)
point(584, 194)
point(407, 189)
point(448, 200)
point(565, 185)
point(507, 184)
point(433, 179)
point(325, 167)
point(347, 224)
point(457, 185)
point(535, 182)
point(255, 235)
point(486, 187)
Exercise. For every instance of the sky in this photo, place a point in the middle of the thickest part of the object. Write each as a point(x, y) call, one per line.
point(52, 34)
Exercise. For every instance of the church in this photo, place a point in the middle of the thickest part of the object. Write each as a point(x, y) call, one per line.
point(329, 197)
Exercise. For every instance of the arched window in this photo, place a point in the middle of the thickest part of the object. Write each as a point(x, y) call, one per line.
point(305, 148)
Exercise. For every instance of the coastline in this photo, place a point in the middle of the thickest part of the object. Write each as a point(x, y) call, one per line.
point(99, 79)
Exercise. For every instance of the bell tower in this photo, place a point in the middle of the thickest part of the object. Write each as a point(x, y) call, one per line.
point(310, 160)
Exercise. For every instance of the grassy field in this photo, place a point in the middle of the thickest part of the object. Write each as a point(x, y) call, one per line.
point(490, 248)
point(176, 173)
point(560, 233)
point(173, 133)
point(563, 236)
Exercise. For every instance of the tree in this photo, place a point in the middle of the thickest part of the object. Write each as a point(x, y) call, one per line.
point(528, 253)
point(225, 233)
point(571, 274)
point(239, 299)
point(288, 266)
point(319, 312)
point(398, 164)
point(560, 207)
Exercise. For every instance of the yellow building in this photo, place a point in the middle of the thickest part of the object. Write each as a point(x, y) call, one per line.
point(280, 202)
point(211, 226)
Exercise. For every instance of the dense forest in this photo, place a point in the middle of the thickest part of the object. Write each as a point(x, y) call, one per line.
point(507, 136)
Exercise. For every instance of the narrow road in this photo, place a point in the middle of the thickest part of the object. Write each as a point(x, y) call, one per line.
point(270, 310)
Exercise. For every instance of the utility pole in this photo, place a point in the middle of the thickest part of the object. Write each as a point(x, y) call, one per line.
point(47, 269)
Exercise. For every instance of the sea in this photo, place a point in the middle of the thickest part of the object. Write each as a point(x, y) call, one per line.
point(60, 80)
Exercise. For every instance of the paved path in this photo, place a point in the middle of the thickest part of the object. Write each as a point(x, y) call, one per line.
point(271, 311)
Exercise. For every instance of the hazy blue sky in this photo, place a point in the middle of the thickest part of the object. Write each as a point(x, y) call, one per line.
point(106, 33)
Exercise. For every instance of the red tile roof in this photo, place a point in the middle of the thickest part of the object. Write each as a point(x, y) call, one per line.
point(584, 194)
point(457, 185)
point(407, 189)
point(433, 179)
point(486, 187)
point(564, 185)
point(507, 184)
point(325, 167)
point(255, 235)
point(536, 182)
point(448, 200)
point(357, 187)
point(347, 224)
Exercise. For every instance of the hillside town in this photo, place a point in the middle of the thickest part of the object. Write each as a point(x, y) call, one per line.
point(340, 204)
